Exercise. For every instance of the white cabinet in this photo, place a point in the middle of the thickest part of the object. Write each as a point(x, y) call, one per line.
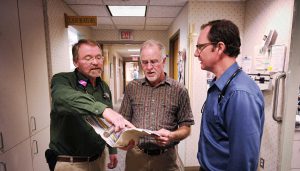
point(18, 158)
point(13, 107)
point(35, 64)
point(24, 87)
point(40, 142)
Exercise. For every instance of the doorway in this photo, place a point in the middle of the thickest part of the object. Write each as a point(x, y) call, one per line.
point(174, 49)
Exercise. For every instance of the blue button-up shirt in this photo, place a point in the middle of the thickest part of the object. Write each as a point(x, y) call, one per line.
point(231, 130)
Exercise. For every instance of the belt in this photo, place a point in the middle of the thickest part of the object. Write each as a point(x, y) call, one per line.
point(155, 152)
point(76, 158)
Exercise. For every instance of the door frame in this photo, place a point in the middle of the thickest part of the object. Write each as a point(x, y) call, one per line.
point(172, 40)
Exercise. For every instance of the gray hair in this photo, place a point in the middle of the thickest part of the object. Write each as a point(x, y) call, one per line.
point(151, 43)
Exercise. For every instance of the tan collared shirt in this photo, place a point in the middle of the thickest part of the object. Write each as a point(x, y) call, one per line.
point(166, 105)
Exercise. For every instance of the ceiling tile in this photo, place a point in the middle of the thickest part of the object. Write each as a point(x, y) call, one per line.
point(130, 27)
point(122, 2)
point(104, 20)
point(90, 10)
point(159, 21)
point(104, 27)
point(168, 2)
point(129, 20)
point(156, 27)
point(94, 2)
point(162, 11)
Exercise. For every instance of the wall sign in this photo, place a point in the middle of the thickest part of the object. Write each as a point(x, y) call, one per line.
point(80, 20)
point(126, 35)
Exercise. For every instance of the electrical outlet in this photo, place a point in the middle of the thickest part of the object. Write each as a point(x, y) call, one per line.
point(262, 162)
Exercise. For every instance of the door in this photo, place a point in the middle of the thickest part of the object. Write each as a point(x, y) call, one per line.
point(174, 49)
point(175, 62)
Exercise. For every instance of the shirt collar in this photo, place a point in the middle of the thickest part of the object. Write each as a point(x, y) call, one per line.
point(80, 76)
point(221, 82)
point(167, 80)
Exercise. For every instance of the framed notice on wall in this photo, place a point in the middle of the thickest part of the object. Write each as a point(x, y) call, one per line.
point(126, 35)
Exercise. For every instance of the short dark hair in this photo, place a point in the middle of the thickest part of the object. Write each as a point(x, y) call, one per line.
point(77, 45)
point(227, 32)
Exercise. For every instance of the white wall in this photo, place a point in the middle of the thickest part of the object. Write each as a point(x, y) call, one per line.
point(260, 17)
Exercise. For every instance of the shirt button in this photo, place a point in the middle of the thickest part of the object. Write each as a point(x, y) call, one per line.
point(153, 100)
point(152, 113)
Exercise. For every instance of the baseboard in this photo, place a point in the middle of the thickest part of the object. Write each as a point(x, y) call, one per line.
point(192, 168)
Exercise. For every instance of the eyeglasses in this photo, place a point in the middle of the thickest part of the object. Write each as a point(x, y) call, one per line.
point(154, 62)
point(90, 59)
point(201, 47)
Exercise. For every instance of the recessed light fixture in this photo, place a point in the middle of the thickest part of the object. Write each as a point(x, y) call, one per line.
point(133, 50)
point(117, 11)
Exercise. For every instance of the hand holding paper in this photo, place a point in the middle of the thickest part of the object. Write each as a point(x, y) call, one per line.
point(127, 137)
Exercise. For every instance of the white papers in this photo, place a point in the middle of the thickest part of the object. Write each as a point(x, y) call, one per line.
point(117, 139)
point(277, 58)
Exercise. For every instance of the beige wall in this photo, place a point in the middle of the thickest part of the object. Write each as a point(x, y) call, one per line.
point(138, 36)
point(198, 14)
point(58, 35)
point(181, 24)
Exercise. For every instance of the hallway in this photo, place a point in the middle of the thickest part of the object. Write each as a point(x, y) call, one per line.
point(36, 41)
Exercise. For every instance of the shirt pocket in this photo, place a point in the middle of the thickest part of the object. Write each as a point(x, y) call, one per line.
point(216, 126)
point(137, 107)
point(168, 116)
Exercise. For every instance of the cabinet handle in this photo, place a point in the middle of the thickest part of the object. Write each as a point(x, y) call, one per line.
point(3, 165)
point(1, 142)
point(36, 149)
point(33, 125)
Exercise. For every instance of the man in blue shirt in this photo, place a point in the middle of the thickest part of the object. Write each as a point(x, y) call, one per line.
point(233, 114)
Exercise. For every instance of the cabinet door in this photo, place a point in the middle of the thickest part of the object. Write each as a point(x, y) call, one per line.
point(35, 63)
point(39, 144)
point(13, 108)
point(18, 158)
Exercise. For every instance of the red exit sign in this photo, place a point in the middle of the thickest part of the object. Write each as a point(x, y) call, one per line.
point(126, 35)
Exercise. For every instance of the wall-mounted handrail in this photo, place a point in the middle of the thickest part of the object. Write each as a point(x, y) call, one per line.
point(275, 100)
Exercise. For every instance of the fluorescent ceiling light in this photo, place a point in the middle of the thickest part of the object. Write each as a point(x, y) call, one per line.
point(127, 10)
point(135, 55)
point(133, 50)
